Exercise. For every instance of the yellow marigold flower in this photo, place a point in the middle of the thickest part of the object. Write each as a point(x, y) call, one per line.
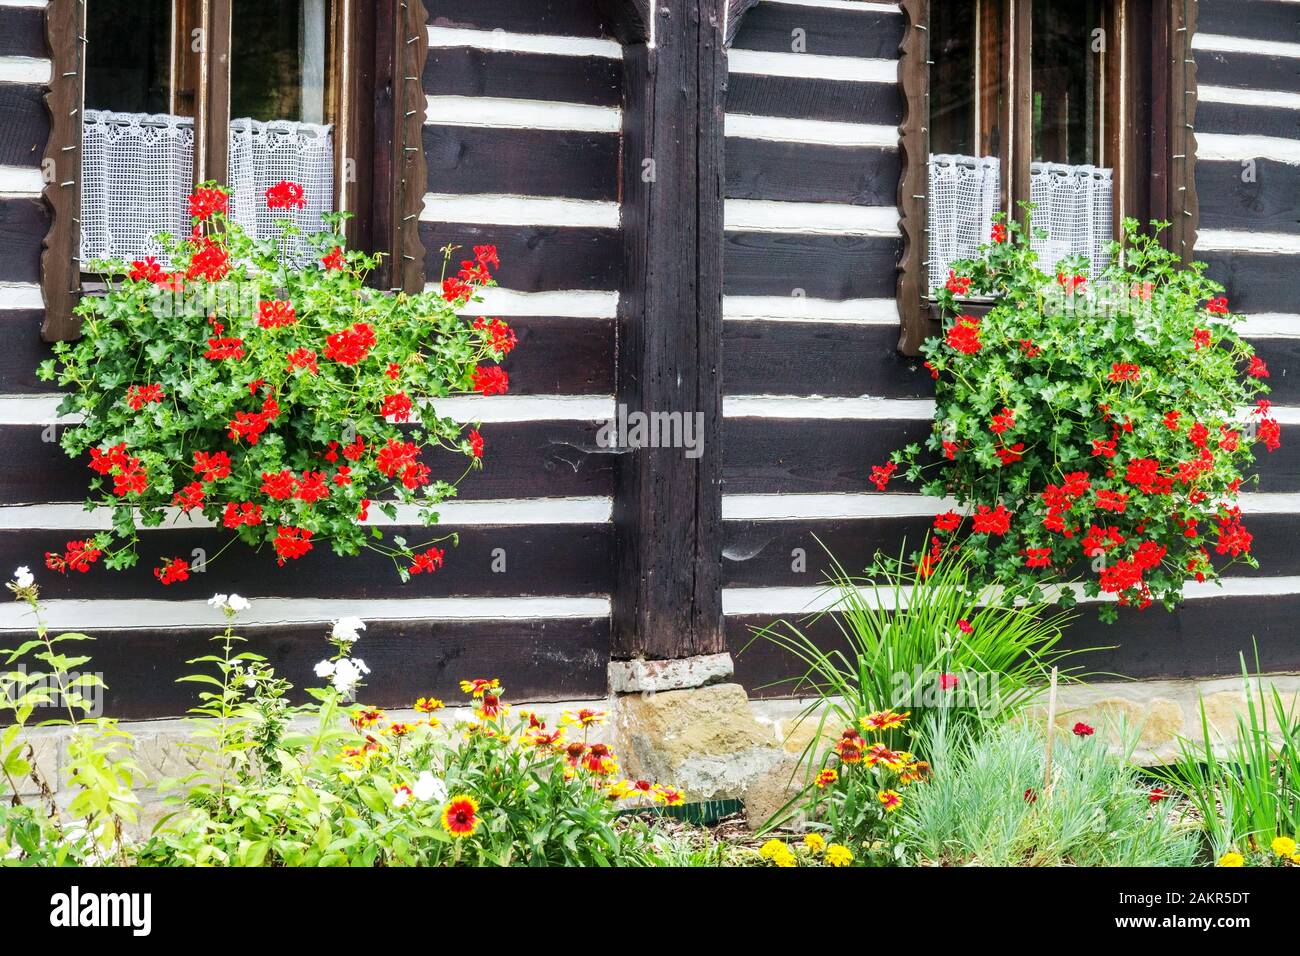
point(890, 800)
point(582, 718)
point(1232, 859)
point(883, 720)
point(785, 857)
point(770, 849)
point(1296, 858)
point(827, 777)
point(478, 687)
point(814, 842)
point(460, 816)
point(837, 855)
point(434, 722)
point(427, 705)
point(1284, 846)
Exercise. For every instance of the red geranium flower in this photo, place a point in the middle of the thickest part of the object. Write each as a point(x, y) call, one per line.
point(947, 521)
point(999, 234)
point(1217, 306)
point(957, 285)
point(302, 358)
point(137, 396)
point(334, 260)
point(291, 543)
point(285, 195)
point(475, 443)
point(1082, 730)
point(275, 314)
point(207, 201)
point(350, 346)
point(146, 270)
point(1201, 339)
point(1038, 557)
point(224, 348)
point(991, 521)
point(245, 513)
point(965, 626)
point(189, 497)
point(964, 336)
point(1257, 368)
point(491, 380)
point(170, 572)
point(500, 335)
point(211, 466)
point(397, 407)
point(427, 561)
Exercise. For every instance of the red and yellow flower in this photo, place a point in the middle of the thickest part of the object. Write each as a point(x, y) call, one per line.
point(460, 816)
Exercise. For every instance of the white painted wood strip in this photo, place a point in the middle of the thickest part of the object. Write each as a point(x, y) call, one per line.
point(72, 516)
point(24, 69)
point(20, 181)
point(799, 308)
point(815, 132)
point(854, 5)
point(848, 69)
point(1271, 98)
point(569, 304)
point(810, 218)
point(41, 409)
point(809, 600)
point(1240, 240)
point(1217, 43)
point(1227, 146)
point(21, 295)
point(503, 41)
point(500, 210)
point(1267, 325)
point(65, 615)
point(870, 505)
point(816, 407)
point(501, 113)
point(35, 4)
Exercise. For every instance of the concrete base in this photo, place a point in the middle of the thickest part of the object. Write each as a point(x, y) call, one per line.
point(640, 677)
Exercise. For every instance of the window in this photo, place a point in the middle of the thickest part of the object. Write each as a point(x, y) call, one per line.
point(153, 96)
point(1082, 108)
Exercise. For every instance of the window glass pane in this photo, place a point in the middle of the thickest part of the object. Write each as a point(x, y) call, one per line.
point(279, 59)
point(128, 55)
point(1068, 86)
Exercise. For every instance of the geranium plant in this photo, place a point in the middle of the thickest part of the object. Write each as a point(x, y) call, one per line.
point(1095, 429)
point(277, 399)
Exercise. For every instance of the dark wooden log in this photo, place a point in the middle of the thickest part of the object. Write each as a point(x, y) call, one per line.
point(821, 31)
point(525, 162)
point(465, 71)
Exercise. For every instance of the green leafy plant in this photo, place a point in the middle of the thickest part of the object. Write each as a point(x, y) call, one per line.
point(280, 400)
point(1089, 429)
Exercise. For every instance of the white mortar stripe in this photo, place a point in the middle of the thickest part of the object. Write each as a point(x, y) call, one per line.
point(21, 295)
point(816, 407)
point(134, 614)
point(503, 41)
point(42, 409)
point(1240, 240)
point(854, 5)
point(500, 113)
point(1226, 94)
point(72, 516)
point(37, 4)
point(812, 218)
point(1228, 146)
point(24, 69)
point(795, 308)
point(21, 181)
point(850, 69)
point(815, 132)
point(1213, 42)
point(808, 600)
point(868, 505)
point(1271, 325)
point(575, 304)
point(499, 210)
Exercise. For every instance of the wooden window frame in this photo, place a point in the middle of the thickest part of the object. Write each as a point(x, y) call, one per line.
point(1154, 165)
point(379, 53)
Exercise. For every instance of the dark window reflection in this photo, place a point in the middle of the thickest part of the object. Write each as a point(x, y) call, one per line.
point(280, 53)
point(128, 55)
point(1067, 82)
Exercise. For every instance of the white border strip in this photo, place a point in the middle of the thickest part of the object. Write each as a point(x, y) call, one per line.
point(797, 308)
point(1267, 325)
point(1217, 43)
point(21, 181)
point(809, 218)
point(810, 600)
point(816, 407)
point(500, 113)
point(135, 614)
point(1226, 94)
point(502, 210)
point(502, 41)
point(33, 4)
point(813, 132)
point(575, 304)
point(1238, 240)
point(854, 5)
point(24, 69)
point(1234, 148)
point(73, 516)
point(21, 295)
point(849, 69)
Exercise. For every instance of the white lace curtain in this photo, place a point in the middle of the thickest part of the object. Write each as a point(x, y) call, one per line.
point(1074, 209)
point(137, 172)
point(964, 193)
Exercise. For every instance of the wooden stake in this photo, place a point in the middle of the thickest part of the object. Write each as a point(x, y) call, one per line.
point(1051, 735)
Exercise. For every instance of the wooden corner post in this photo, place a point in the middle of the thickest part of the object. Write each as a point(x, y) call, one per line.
point(667, 512)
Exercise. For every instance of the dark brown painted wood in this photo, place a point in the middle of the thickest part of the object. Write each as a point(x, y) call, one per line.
point(523, 460)
point(466, 159)
point(463, 71)
point(1235, 118)
point(1250, 71)
point(1256, 19)
point(1256, 282)
point(736, 11)
point(561, 356)
point(24, 124)
point(537, 559)
point(804, 98)
point(1263, 196)
point(538, 660)
point(212, 112)
point(20, 330)
point(629, 21)
point(60, 277)
point(22, 32)
point(23, 225)
point(819, 267)
point(913, 146)
point(668, 509)
point(410, 40)
point(533, 258)
point(1180, 140)
point(554, 17)
point(799, 172)
point(775, 28)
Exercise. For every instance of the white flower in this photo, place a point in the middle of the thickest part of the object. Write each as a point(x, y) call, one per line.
point(347, 674)
point(428, 787)
point(346, 628)
point(401, 797)
point(23, 577)
point(325, 669)
point(237, 603)
point(217, 600)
